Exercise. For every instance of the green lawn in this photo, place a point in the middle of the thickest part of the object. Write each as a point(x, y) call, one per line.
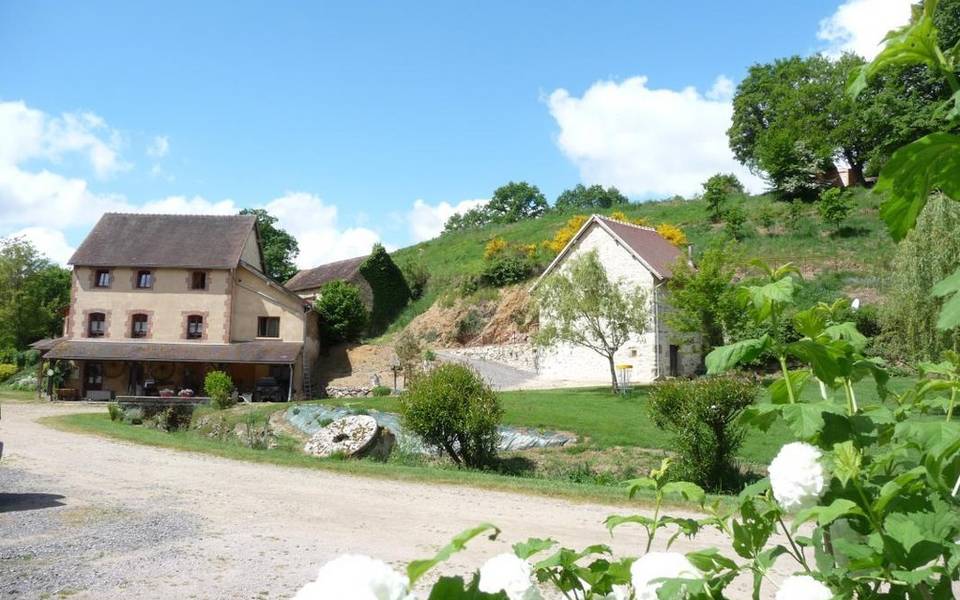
point(18, 396)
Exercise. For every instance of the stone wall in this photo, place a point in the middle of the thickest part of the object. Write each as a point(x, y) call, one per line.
point(347, 392)
point(519, 356)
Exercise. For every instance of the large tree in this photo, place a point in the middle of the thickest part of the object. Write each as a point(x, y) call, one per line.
point(581, 305)
point(279, 247)
point(717, 190)
point(585, 198)
point(516, 201)
point(33, 294)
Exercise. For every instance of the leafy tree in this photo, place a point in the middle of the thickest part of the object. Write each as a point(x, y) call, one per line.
point(390, 290)
point(416, 274)
point(593, 197)
point(929, 253)
point(514, 202)
point(835, 206)
point(452, 408)
point(33, 293)
point(736, 220)
point(717, 190)
point(472, 219)
point(703, 298)
point(580, 305)
point(219, 387)
point(279, 247)
point(343, 316)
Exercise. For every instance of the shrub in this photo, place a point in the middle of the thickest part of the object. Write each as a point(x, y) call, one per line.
point(469, 326)
point(563, 235)
point(717, 190)
point(133, 416)
point(429, 355)
point(453, 409)
point(736, 225)
point(115, 412)
point(767, 216)
point(416, 275)
point(174, 418)
point(380, 391)
point(390, 290)
point(701, 414)
point(219, 387)
point(494, 247)
point(343, 316)
point(407, 348)
point(507, 268)
point(672, 234)
point(7, 371)
point(835, 206)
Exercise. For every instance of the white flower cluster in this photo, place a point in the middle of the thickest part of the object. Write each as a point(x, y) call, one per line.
point(659, 565)
point(356, 577)
point(803, 587)
point(510, 574)
point(796, 476)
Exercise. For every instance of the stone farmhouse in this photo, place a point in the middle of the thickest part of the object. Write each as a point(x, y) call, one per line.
point(633, 255)
point(159, 300)
point(307, 282)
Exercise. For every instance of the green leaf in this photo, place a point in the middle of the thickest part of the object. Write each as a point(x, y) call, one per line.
point(417, 568)
point(614, 521)
point(710, 560)
point(810, 322)
point(689, 491)
point(724, 358)
point(454, 588)
point(765, 297)
point(895, 487)
point(912, 173)
point(950, 313)
point(640, 484)
point(848, 332)
point(760, 416)
point(824, 515)
point(778, 389)
point(804, 420)
point(846, 461)
point(532, 546)
point(822, 358)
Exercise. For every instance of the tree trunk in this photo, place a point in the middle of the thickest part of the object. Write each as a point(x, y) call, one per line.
point(613, 374)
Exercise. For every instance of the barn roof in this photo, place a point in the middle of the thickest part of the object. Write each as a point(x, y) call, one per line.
point(308, 279)
point(184, 241)
point(644, 243)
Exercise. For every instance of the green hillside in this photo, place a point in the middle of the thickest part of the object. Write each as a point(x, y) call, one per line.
point(855, 257)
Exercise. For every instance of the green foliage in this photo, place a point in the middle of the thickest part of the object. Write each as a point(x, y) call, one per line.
point(453, 409)
point(703, 298)
point(416, 275)
point(507, 268)
point(589, 198)
point(580, 305)
point(218, 386)
point(175, 418)
point(115, 412)
point(7, 371)
point(835, 206)
point(926, 256)
point(279, 247)
point(418, 568)
point(380, 391)
point(390, 290)
point(469, 325)
point(133, 416)
point(516, 201)
point(702, 416)
point(33, 292)
point(343, 316)
point(736, 226)
point(767, 216)
point(717, 190)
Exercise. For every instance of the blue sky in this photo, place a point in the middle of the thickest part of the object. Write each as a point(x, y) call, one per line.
point(359, 122)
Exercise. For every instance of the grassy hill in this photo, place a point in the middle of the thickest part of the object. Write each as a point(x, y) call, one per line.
point(856, 257)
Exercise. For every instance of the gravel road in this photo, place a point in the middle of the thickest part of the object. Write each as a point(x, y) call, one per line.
point(95, 518)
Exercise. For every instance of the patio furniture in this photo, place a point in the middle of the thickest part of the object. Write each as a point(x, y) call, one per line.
point(67, 394)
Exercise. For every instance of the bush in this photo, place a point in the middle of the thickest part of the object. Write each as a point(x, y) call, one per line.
point(767, 216)
point(343, 316)
point(507, 268)
point(672, 234)
point(702, 414)
point(380, 391)
point(469, 326)
point(453, 409)
point(219, 387)
point(736, 220)
point(835, 206)
point(133, 416)
point(115, 412)
point(7, 371)
point(174, 418)
point(416, 275)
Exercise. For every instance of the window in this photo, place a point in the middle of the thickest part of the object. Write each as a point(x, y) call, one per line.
point(144, 279)
point(102, 278)
point(139, 329)
point(94, 376)
point(268, 327)
point(198, 280)
point(97, 325)
point(194, 327)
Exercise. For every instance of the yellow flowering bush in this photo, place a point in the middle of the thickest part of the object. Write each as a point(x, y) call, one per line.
point(672, 234)
point(494, 247)
point(563, 235)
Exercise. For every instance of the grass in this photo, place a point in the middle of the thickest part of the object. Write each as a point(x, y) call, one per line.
point(20, 396)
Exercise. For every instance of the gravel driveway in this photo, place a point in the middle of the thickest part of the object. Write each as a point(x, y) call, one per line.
point(95, 518)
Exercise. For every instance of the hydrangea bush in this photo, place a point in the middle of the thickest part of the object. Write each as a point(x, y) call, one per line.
point(863, 504)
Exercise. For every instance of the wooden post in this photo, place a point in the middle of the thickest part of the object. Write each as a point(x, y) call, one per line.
point(40, 378)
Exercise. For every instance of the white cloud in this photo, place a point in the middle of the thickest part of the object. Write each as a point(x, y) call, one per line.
point(181, 205)
point(722, 90)
point(314, 223)
point(50, 242)
point(859, 26)
point(645, 141)
point(159, 147)
point(426, 221)
point(32, 134)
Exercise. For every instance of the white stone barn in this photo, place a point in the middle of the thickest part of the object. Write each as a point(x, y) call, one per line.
point(633, 255)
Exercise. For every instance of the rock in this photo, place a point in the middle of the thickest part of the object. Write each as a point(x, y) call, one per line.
point(347, 392)
point(350, 436)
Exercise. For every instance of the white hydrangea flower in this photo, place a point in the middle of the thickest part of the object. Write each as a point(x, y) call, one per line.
point(511, 574)
point(803, 587)
point(356, 577)
point(659, 565)
point(796, 476)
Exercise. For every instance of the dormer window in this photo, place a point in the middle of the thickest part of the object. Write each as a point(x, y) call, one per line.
point(97, 324)
point(102, 278)
point(198, 280)
point(144, 280)
point(194, 327)
point(139, 326)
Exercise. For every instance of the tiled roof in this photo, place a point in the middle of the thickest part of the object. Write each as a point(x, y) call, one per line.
point(184, 241)
point(309, 279)
point(648, 244)
point(260, 351)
